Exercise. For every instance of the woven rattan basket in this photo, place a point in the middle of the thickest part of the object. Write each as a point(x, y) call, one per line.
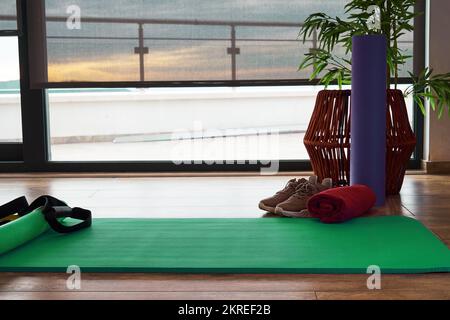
point(328, 140)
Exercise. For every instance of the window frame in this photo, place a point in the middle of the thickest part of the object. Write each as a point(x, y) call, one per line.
point(36, 147)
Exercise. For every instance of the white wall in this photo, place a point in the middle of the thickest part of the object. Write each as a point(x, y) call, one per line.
point(165, 110)
point(156, 111)
point(437, 132)
point(10, 117)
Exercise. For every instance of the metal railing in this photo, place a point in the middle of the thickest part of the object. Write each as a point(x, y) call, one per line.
point(141, 50)
point(233, 50)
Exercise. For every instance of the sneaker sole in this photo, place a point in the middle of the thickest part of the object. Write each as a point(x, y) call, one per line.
point(263, 207)
point(290, 214)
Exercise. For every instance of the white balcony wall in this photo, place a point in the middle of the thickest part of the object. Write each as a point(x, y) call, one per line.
point(10, 118)
point(149, 111)
point(167, 110)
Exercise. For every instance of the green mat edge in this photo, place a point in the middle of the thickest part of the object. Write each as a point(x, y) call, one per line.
point(151, 270)
point(228, 270)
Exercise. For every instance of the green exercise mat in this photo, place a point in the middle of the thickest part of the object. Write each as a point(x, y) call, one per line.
point(273, 245)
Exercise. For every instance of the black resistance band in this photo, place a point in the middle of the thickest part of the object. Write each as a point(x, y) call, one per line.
point(53, 210)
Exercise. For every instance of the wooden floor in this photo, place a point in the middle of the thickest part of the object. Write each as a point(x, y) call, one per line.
point(423, 197)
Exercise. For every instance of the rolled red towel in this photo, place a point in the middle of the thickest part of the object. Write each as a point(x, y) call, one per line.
point(341, 204)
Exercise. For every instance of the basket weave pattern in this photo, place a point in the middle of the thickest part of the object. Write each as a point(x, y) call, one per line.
point(328, 140)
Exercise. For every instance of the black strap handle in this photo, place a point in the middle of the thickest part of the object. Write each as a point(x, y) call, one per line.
point(54, 213)
point(53, 210)
point(19, 205)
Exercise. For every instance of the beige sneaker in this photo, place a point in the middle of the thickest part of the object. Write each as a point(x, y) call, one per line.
point(296, 205)
point(269, 204)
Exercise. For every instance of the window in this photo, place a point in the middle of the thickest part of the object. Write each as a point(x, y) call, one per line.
point(179, 42)
point(187, 81)
point(180, 124)
point(171, 41)
point(10, 113)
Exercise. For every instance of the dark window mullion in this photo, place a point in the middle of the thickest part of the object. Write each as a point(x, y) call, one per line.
point(34, 101)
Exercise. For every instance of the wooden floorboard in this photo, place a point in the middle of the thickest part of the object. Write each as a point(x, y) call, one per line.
point(162, 295)
point(384, 295)
point(219, 283)
point(423, 197)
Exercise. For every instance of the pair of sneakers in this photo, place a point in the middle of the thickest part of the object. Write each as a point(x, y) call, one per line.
point(293, 199)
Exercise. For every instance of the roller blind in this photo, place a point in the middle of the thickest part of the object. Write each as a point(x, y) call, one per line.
point(8, 20)
point(134, 41)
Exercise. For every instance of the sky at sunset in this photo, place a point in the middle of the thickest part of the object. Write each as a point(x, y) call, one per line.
point(114, 59)
point(181, 59)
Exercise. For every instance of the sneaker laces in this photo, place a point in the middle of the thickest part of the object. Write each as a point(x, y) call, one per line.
point(292, 184)
point(305, 189)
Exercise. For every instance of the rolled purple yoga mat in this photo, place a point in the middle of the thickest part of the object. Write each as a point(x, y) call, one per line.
point(368, 114)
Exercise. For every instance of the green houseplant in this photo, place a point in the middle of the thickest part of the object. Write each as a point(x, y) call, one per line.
point(328, 136)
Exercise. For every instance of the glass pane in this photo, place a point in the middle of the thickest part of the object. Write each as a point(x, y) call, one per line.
point(180, 40)
point(10, 113)
point(200, 124)
point(409, 101)
point(406, 44)
point(191, 124)
point(8, 19)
